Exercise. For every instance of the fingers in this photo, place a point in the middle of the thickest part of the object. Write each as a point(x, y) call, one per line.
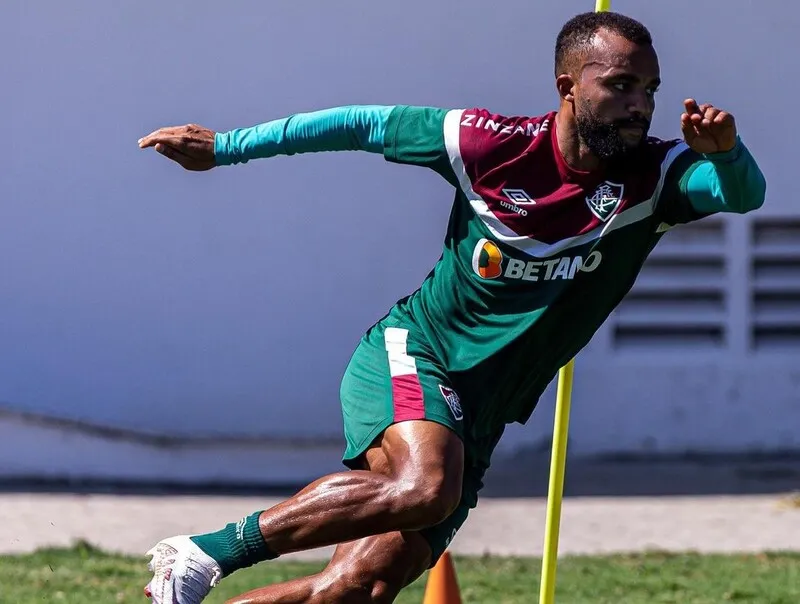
point(175, 136)
point(707, 129)
point(724, 118)
point(694, 114)
point(705, 113)
point(686, 124)
point(169, 136)
point(709, 114)
point(699, 116)
point(703, 116)
point(691, 118)
point(172, 153)
point(185, 159)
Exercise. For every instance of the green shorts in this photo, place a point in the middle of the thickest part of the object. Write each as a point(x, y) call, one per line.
point(394, 376)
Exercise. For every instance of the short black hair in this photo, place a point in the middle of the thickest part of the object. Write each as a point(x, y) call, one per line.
point(577, 34)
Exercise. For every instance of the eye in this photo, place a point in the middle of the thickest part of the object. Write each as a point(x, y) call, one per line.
point(652, 90)
point(621, 86)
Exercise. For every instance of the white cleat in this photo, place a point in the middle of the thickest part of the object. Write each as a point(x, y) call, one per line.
point(182, 572)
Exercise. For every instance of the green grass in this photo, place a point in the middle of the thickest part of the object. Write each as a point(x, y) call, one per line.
point(83, 574)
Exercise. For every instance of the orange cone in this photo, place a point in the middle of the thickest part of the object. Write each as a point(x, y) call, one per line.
point(442, 587)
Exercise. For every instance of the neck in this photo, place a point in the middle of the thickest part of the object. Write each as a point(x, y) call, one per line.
point(575, 153)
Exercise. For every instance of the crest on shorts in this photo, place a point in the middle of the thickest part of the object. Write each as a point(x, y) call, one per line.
point(452, 401)
point(605, 200)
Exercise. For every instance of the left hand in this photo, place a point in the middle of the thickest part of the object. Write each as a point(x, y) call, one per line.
point(707, 129)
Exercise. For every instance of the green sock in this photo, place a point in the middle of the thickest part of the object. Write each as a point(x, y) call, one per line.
point(237, 546)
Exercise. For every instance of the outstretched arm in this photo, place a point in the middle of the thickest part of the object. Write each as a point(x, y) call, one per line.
point(353, 128)
point(350, 128)
point(450, 142)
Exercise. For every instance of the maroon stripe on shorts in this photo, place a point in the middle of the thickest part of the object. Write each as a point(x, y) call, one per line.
point(407, 398)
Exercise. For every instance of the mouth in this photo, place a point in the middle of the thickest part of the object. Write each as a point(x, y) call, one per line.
point(637, 129)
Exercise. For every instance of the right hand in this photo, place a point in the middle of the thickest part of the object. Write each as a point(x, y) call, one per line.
point(191, 146)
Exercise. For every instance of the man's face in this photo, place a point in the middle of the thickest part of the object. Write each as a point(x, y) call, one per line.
point(615, 94)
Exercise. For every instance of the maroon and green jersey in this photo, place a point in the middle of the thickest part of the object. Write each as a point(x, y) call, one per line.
point(536, 254)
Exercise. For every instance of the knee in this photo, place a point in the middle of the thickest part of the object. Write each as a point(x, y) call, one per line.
point(431, 497)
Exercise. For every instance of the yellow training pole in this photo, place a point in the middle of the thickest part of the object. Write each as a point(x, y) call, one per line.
point(602, 5)
point(558, 458)
point(558, 462)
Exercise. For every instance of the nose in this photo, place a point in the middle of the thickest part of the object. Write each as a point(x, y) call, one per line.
point(640, 104)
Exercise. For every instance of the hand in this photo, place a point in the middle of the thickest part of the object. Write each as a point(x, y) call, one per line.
point(191, 146)
point(707, 129)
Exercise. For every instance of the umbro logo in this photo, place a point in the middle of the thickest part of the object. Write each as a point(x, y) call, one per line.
point(518, 198)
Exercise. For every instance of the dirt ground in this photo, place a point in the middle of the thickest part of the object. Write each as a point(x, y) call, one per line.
point(610, 506)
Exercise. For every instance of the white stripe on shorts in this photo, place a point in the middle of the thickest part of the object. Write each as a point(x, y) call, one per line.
point(400, 363)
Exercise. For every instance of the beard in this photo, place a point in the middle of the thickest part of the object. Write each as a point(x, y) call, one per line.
point(603, 138)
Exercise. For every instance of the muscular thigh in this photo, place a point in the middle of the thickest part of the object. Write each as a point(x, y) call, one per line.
point(382, 565)
point(464, 472)
point(421, 448)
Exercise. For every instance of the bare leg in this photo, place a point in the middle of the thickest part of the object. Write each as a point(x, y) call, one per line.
point(371, 570)
point(412, 481)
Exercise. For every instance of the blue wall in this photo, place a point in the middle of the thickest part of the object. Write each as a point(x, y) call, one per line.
point(137, 295)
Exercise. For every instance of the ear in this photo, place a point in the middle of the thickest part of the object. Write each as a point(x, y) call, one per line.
point(565, 85)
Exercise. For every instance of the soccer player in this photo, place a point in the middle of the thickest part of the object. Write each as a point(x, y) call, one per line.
point(552, 220)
